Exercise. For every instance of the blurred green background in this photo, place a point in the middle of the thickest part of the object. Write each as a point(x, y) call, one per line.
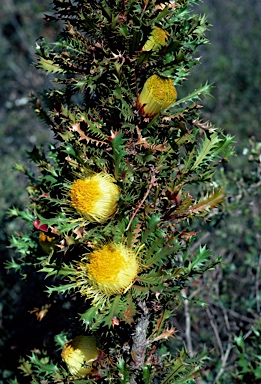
point(232, 62)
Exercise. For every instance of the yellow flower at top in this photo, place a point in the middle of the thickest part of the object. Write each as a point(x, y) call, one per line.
point(79, 354)
point(158, 93)
point(106, 271)
point(95, 197)
point(157, 39)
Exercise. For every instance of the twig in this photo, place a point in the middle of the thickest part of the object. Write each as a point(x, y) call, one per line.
point(248, 334)
point(224, 359)
point(224, 356)
point(152, 183)
point(188, 323)
point(257, 284)
point(214, 327)
point(233, 313)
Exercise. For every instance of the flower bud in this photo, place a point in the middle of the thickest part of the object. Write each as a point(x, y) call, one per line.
point(157, 39)
point(79, 354)
point(158, 93)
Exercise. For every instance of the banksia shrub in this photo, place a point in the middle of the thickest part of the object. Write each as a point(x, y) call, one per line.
point(113, 203)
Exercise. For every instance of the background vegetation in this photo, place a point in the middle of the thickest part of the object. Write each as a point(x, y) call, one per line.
point(229, 325)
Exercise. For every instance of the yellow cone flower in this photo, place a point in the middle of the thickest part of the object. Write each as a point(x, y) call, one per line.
point(106, 271)
point(47, 243)
point(95, 197)
point(157, 39)
point(158, 93)
point(79, 354)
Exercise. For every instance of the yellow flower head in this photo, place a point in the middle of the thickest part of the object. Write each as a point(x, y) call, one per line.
point(157, 39)
point(47, 243)
point(106, 271)
point(95, 197)
point(79, 354)
point(158, 93)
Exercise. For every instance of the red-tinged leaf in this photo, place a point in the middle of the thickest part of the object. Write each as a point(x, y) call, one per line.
point(42, 227)
point(187, 235)
point(76, 128)
point(207, 202)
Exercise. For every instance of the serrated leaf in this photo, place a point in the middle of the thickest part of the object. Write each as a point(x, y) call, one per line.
point(13, 265)
point(151, 226)
point(159, 254)
point(207, 202)
point(61, 288)
point(206, 149)
point(90, 317)
point(201, 257)
point(118, 153)
point(49, 66)
point(26, 367)
point(124, 371)
point(195, 95)
point(24, 214)
point(65, 270)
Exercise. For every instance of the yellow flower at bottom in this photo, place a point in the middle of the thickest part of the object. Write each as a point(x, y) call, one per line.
point(158, 93)
point(95, 197)
point(106, 271)
point(79, 354)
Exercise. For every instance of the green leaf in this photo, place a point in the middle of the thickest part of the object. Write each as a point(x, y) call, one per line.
point(195, 95)
point(161, 253)
point(146, 374)
point(13, 265)
point(54, 270)
point(26, 214)
point(239, 340)
point(91, 316)
point(61, 288)
point(124, 371)
point(151, 226)
point(201, 257)
point(257, 372)
point(206, 149)
point(26, 368)
point(118, 155)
